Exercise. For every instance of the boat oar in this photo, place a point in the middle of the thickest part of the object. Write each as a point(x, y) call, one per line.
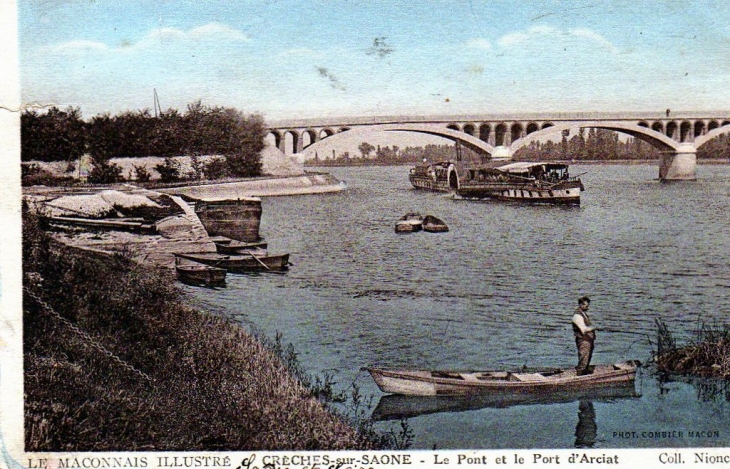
point(258, 260)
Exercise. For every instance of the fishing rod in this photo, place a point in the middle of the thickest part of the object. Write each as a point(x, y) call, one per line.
point(619, 331)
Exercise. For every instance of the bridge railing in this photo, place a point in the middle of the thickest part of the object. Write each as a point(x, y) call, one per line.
point(536, 116)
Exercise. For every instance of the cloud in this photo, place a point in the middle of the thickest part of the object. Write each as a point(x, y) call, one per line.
point(547, 35)
point(217, 32)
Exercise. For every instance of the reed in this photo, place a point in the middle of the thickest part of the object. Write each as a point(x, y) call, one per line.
point(706, 354)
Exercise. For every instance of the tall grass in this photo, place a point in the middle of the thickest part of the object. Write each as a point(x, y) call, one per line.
point(707, 353)
point(213, 386)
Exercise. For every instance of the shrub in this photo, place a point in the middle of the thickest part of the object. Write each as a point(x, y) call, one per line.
point(142, 174)
point(34, 175)
point(104, 171)
point(216, 168)
point(169, 170)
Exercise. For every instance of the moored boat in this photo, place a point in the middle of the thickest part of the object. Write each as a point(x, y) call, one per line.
point(237, 247)
point(409, 223)
point(434, 383)
point(237, 219)
point(434, 225)
point(194, 273)
point(537, 182)
point(243, 262)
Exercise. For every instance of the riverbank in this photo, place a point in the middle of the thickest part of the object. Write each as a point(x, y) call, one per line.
point(114, 360)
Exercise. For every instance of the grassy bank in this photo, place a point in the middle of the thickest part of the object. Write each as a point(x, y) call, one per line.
point(114, 360)
point(707, 354)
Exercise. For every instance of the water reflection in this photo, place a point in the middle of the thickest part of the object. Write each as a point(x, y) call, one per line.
point(586, 430)
point(708, 389)
point(396, 407)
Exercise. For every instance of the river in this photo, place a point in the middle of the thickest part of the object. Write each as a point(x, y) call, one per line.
point(498, 291)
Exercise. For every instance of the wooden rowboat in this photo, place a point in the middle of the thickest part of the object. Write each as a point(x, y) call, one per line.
point(398, 406)
point(238, 263)
point(435, 383)
point(237, 247)
point(194, 273)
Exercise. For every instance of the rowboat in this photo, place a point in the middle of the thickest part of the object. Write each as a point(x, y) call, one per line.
point(237, 247)
point(194, 273)
point(434, 225)
point(398, 406)
point(244, 262)
point(436, 383)
point(409, 223)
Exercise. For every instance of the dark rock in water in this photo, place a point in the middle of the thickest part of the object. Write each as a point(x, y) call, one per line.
point(434, 225)
point(409, 223)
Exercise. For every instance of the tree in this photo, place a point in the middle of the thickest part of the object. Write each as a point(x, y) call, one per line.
point(365, 149)
point(57, 135)
point(244, 144)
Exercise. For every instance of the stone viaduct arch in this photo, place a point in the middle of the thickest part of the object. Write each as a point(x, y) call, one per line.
point(653, 137)
point(677, 135)
point(713, 132)
point(469, 141)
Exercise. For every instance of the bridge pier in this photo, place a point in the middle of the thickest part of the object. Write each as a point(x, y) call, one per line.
point(680, 165)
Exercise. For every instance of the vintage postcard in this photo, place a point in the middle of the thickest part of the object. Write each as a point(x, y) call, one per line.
point(346, 234)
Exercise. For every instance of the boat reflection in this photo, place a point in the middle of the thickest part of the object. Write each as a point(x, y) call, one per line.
point(396, 406)
point(586, 430)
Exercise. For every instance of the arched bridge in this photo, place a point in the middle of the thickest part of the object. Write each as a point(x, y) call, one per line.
point(676, 135)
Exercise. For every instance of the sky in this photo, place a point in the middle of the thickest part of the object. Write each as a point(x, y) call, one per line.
point(309, 59)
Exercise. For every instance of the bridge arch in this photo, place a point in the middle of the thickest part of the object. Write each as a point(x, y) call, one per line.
point(712, 133)
point(653, 137)
point(469, 141)
point(484, 132)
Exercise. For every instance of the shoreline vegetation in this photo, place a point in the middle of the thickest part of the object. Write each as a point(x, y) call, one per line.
point(114, 360)
point(706, 355)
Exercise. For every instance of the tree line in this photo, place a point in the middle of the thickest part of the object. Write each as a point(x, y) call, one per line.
point(605, 145)
point(386, 155)
point(63, 135)
point(595, 144)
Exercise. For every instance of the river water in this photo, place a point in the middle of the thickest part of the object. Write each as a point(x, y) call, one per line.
point(498, 291)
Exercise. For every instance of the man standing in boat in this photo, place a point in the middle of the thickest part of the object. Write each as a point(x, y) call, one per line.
point(585, 336)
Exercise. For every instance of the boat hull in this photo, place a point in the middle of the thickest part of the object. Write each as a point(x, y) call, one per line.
point(567, 194)
point(238, 219)
point(435, 383)
point(201, 275)
point(240, 263)
point(236, 247)
point(429, 184)
point(398, 406)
